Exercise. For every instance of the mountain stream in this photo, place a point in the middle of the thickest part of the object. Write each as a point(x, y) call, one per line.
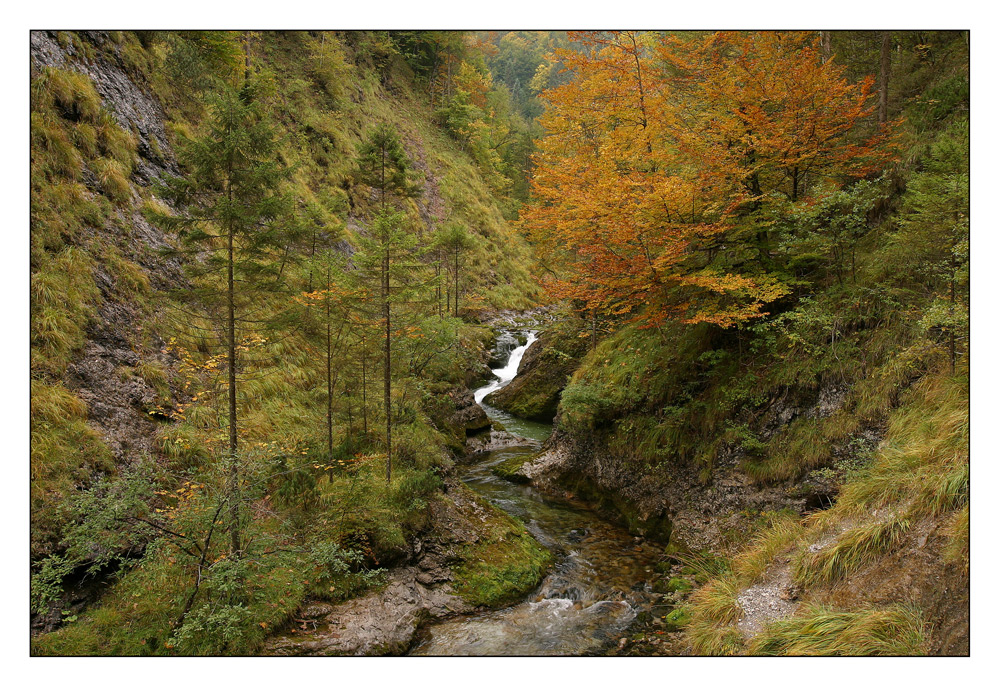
point(595, 587)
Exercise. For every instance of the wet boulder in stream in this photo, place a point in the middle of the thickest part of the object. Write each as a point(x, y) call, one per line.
point(534, 393)
point(457, 415)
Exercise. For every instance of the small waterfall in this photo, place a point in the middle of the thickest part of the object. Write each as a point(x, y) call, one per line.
point(507, 372)
point(595, 587)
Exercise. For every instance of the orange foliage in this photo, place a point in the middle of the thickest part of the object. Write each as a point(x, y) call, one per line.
point(763, 112)
point(658, 146)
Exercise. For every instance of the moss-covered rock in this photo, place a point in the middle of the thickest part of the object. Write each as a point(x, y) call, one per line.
point(503, 563)
point(673, 585)
point(534, 393)
point(510, 469)
point(660, 586)
point(677, 619)
point(679, 584)
point(456, 415)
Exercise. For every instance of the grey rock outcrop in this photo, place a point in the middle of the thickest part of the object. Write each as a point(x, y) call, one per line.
point(380, 624)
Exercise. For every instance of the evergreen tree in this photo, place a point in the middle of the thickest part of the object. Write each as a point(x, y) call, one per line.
point(387, 266)
point(934, 230)
point(236, 221)
point(382, 163)
point(453, 239)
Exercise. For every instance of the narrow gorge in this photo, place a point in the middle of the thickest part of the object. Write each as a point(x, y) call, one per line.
point(507, 343)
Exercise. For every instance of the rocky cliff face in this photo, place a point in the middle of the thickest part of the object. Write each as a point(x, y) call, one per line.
point(670, 503)
point(107, 374)
point(132, 105)
point(674, 501)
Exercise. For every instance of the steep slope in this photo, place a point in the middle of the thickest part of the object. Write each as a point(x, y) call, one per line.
point(120, 396)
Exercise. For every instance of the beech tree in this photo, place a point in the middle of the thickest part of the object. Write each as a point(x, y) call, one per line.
point(666, 158)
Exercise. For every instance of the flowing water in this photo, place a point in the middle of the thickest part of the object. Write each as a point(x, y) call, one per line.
point(596, 585)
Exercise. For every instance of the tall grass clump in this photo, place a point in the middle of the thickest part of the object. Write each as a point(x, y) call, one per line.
point(822, 631)
point(924, 459)
point(65, 453)
point(853, 549)
point(714, 612)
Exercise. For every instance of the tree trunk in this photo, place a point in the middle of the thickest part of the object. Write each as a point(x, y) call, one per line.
point(387, 392)
point(456, 281)
point(885, 64)
point(825, 46)
point(763, 241)
point(951, 294)
point(437, 280)
point(364, 387)
point(388, 378)
point(644, 121)
point(246, 58)
point(329, 371)
point(312, 254)
point(234, 477)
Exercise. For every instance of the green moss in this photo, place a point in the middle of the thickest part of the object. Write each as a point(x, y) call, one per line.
point(509, 468)
point(503, 565)
point(679, 584)
point(677, 619)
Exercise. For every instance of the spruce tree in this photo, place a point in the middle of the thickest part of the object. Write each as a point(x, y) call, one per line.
point(382, 164)
point(235, 220)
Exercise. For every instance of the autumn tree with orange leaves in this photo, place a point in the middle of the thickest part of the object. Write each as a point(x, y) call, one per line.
point(666, 159)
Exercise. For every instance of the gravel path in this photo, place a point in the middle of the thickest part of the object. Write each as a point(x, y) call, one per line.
point(772, 599)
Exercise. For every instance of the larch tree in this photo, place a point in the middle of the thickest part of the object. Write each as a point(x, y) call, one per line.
point(329, 303)
point(453, 239)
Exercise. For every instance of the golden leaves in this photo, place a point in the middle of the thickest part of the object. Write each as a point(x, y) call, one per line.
point(658, 150)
